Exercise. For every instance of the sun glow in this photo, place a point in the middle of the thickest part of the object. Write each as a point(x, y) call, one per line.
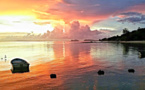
point(23, 23)
point(49, 27)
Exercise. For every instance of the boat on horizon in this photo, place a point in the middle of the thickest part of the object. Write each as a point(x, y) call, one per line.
point(89, 41)
point(74, 40)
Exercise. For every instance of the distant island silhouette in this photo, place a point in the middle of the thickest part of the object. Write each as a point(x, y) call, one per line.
point(136, 35)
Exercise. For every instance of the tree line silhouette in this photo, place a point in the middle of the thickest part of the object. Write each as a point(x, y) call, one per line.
point(136, 35)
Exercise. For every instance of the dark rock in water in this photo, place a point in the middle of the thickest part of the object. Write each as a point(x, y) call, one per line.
point(52, 75)
point(141, 54)
point(131, 70)
point(100, 72)
point(19, 66)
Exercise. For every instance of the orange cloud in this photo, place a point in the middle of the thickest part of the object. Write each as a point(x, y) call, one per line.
point(68, 15)
point(15, 7)
point(84, 11)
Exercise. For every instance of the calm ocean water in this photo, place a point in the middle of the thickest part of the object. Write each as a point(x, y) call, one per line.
point(76, 65)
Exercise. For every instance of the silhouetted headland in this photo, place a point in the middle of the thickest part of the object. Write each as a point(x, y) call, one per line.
point(136, 35)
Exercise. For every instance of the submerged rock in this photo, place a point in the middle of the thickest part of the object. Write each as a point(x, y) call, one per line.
point(19, 66)
point(52, 75)
point(141, 54)
point(100, 72)
point(131, 70)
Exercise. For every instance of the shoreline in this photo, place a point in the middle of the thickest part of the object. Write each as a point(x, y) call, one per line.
point(69, 40)
point(122, 41)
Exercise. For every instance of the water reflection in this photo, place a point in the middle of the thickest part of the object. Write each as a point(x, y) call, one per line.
point(133, 46)
point(76, 66)
point(125, 49)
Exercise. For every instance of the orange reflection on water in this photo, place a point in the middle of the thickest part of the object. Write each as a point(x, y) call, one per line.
point(69, 62)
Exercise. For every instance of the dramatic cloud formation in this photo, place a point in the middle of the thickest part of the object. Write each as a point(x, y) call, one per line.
point(132, 17)
point(87, 12)
point(83, 10)
point(76, 31)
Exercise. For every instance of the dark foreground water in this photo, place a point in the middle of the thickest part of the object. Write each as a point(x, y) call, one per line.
point(75, 64)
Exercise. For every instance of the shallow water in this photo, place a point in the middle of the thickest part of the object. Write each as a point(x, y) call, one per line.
point(75, 64)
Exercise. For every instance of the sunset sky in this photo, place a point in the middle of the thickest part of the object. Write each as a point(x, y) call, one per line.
point(42, 15)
